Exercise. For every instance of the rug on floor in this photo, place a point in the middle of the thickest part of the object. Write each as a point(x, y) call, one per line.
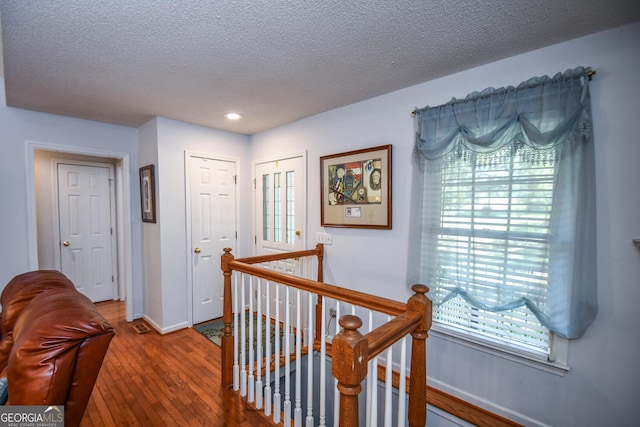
point(213, 331)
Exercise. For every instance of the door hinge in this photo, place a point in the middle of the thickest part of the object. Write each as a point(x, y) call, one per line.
point(255, 240)
point(254, 183)
point(112, 279)
point(236, 235)
point(235, 179)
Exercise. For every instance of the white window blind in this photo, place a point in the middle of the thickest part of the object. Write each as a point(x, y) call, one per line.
point(494, 230)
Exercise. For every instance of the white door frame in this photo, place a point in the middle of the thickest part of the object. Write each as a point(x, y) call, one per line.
point(123, 211)
point(115, 285)
point(187, 175)
point(303, 184)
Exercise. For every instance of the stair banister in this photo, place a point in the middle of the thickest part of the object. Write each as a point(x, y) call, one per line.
point(227, 337)
point(352, 352)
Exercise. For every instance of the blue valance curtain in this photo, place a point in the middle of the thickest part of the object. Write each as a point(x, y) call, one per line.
point(545, 120)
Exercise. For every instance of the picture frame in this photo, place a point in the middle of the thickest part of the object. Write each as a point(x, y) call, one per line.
point(147, 194)
point(355, 189)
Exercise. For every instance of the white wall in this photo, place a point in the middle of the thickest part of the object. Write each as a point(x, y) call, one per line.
point(604, 381)
point(20, 129)
point(167, 288)
point(152, 274)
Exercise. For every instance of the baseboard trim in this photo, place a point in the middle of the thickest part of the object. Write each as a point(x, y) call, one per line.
point(465, 410)
point(455, 406)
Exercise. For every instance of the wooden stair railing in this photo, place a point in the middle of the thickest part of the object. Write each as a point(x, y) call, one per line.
point(244, 265)
point(351, 351)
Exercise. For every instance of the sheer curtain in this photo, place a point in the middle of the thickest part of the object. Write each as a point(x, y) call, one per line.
point(488, 144)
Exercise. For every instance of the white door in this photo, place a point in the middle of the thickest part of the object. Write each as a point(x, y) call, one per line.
point(213, 227)
point(279, 201)
point(85, 216)
point(279, 205)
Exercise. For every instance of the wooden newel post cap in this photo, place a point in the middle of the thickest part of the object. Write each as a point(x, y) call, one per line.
point(420, 289)
point(227, 250)
point(350, 322)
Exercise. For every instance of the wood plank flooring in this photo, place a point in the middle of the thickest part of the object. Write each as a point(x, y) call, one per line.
point(162, 380)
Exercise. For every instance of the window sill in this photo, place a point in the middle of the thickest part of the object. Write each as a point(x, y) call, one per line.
point(527, 359)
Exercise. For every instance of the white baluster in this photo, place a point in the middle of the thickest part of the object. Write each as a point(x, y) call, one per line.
point(243, 338)
point(236, 367)
point(267, 357)
point(297, 413)
point(323, 366)
point(310, 332)
point(259, 354)
point(276, 392)
point(305, 306)
point(374, 392)
point(251, 392)
point(388, 384)
point(371, 381)
point(402, 387)
point(287, 360)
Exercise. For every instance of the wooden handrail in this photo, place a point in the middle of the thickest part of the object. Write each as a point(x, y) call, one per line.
point(317, 252)
point(388, 334)
point(372, 302)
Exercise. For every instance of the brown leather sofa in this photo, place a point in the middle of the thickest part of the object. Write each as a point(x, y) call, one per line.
point(53, 343)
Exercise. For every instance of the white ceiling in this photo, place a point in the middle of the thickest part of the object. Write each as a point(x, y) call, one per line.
point(273, 61)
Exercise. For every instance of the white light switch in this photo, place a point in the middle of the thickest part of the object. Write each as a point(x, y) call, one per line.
point(324, 238)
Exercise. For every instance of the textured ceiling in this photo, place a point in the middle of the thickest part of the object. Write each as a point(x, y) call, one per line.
point(273, 61)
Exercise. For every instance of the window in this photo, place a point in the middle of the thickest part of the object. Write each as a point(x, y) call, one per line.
point(494, 230)
point(504, 203)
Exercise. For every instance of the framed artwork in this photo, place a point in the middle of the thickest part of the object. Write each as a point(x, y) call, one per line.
point(355, 188)
point(147, 194)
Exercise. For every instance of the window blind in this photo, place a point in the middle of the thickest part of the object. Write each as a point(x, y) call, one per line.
point(493, 234)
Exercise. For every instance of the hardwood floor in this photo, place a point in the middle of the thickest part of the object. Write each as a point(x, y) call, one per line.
point(162, 380)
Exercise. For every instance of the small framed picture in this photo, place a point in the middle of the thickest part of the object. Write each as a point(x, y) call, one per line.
point(355, 188)
point(147, 194)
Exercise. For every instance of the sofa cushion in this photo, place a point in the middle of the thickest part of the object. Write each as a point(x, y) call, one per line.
point(51, 331)
point(17, 294)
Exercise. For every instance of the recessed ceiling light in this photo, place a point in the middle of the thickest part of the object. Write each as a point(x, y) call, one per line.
point(233, 116)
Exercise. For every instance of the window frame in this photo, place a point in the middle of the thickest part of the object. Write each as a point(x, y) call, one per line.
point(559, 349)
point(556, 358)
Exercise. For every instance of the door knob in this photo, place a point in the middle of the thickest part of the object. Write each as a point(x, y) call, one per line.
point(197, 250)
point(65, 243)
point(298, 233)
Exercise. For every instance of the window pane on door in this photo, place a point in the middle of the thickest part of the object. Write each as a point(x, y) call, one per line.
point(277, 208)
point(266, 223)
point(291, 207)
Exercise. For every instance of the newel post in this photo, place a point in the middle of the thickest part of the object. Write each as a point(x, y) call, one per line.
point(227, 337)
point(418, 384)
point(349, 367)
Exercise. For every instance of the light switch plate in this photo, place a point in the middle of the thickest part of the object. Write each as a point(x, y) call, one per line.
point(324, 238)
